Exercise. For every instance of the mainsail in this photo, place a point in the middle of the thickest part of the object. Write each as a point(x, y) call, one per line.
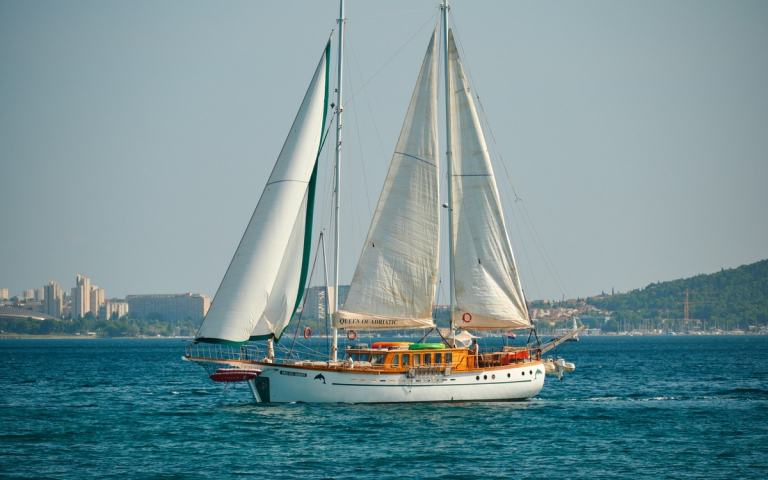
point(485, 277)
point(396, 277)
point(265, 280)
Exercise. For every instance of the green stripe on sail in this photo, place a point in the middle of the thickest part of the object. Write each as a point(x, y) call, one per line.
point(219, 341)
point(311, 197)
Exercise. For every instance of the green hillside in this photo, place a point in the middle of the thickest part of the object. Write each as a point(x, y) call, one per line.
point(730, 299)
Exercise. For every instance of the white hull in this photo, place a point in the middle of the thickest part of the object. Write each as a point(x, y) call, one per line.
point(288, 384)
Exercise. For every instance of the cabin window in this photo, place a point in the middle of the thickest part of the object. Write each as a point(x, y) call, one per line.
point(438, 358)
point(406, 360)
point(365, 357)
point(449, 358)
point(377, 359)
point(354, 357)
point(417, 359)
point(427, 359)
point(395, 360)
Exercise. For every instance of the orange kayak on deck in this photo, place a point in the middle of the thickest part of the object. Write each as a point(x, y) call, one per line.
point(390, 344)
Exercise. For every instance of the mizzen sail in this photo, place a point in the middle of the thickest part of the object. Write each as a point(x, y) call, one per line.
point(396, 277)
point(265, 280)
point(486, 281)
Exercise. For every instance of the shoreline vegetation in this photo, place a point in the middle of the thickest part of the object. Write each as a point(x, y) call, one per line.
point(90, 327)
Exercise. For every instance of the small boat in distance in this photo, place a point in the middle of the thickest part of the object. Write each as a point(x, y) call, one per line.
point(575, 336)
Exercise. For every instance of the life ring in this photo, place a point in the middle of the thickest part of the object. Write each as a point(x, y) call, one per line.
point(351, 335)
point(307, 332)
point(467, 317)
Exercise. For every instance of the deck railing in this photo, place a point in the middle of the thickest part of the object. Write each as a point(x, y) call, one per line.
point(217, 352)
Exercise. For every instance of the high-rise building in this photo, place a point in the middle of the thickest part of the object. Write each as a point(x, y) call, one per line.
point(97, 300)
point(317, 306)
point(40, 294)
point(3, 294)
point(28, 294)
point(112, 309)
point(169, 307)
point(81, 297)
point(52, 303)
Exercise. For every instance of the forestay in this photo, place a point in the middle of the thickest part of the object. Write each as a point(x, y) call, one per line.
point(486, 280)
point(265, 280)
point(396, 277)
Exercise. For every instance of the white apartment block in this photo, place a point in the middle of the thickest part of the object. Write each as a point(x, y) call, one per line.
point(112, 309)
point(169, 307)
point(81, 297)
point(52, 302)
point(97, 300)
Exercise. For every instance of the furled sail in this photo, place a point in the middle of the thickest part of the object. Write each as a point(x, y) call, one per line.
point(396, 277)
point(265, 280)
point(486, 281)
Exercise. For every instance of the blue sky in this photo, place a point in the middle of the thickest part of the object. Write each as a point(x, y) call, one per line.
point(136, 137)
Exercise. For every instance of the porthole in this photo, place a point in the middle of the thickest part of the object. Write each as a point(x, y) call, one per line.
point(477, 377)
point(485, 377)
point(523, 373)
point(509, 375)
point(493, 377)
point(531, 372)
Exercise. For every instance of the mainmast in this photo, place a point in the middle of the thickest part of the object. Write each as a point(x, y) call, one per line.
point(339, 110)
point(449, 170)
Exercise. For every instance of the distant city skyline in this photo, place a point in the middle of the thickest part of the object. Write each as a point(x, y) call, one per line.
point(136, 137)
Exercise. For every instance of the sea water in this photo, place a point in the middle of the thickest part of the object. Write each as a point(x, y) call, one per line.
point(636, 407)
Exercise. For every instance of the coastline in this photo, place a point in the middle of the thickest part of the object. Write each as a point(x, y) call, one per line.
point(16, 336)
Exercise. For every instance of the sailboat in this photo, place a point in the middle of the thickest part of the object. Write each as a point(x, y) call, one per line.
point(395, 282)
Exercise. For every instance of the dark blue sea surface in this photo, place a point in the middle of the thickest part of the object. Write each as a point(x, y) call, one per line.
point(636, 407)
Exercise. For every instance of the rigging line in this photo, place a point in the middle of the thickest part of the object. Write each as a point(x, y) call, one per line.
point(518, 232)
point(357, 129)
point(525, 251)
point(529, 225)
point(545, 249)
point(304, 303)
point(390, 59)
point(370, 107)
point(327, 303)
point(536, 244)
point(355, 229)
point(325, 203)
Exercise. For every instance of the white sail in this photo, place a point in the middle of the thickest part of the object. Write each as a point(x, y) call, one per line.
point(262, 285)
point(281, 304)
point(488, 292)
point(396, 277)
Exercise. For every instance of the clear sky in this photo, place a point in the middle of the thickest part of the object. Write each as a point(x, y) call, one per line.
point(136, 136)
